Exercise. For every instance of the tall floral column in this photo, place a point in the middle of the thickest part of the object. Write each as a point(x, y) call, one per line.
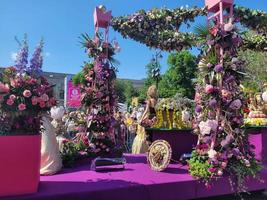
point(98, 92)
point(222, 145)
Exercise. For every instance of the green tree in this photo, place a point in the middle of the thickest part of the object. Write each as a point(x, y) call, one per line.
point(120, 90)
point(179, 76)
point(256, 67)
point(125, 91)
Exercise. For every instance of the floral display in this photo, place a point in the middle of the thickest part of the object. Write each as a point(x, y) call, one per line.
point(25, 94)
point(158, 28)
point(98, 93)
point(253, 19)
point(223, 146)
point(174, 112)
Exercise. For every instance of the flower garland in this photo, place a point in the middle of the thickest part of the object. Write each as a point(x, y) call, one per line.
point(222, 144)
point(158, 28)
point(253, 19)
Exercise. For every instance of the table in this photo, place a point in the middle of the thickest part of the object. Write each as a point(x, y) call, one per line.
point(136, 182)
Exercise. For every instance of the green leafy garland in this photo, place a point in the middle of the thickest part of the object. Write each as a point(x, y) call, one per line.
point(158, 28)
point(252, 19)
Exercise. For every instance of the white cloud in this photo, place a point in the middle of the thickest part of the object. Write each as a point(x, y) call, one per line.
point(13, 56)
point(47, 54)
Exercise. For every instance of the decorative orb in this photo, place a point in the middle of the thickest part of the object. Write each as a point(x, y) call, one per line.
point(264, 96)
point(102, 8)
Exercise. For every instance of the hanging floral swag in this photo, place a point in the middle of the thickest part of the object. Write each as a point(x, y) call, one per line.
point(159, 28)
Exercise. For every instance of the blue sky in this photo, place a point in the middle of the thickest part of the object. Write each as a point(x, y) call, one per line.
point(60, 23)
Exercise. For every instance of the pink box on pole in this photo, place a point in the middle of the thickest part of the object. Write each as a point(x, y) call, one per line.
point(101, 18)
point(213, 5)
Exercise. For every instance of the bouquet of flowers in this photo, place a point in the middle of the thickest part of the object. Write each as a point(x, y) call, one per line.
point(24, 94)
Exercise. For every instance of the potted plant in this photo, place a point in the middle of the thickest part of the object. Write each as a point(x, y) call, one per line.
point(24, 95)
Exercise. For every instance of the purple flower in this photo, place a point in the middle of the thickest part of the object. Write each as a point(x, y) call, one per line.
point(209, 65)
point(22, 57)
point(236, 104)
point(230, 79)
point(37, 60)
point(218, 68)
point(198, 109)
point(212, 103)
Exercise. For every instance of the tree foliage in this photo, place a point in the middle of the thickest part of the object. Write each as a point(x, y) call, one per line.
point(179, 75)
point(125, 91)
point(256, 69)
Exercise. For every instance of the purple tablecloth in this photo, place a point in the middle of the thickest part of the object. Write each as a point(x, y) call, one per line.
point(136, 182)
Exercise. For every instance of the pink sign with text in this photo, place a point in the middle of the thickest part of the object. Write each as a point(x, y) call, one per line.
point(74, 95)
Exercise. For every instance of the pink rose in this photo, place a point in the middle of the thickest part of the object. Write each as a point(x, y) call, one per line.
point(45, 97)
point(22, 106)
point(89, 89)
point(27, 93)
point(209, 89)
point(12, 97)
point(4, 88)
point(34, 100)
point(9, 102)
point(14, 83)
point(42, 104)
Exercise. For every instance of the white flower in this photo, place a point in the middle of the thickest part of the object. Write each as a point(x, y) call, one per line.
point(208, 126)
point(185, 116)
point(204, 129)
point(212, 153)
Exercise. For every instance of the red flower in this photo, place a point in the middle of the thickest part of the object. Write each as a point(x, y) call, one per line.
point(213, 31)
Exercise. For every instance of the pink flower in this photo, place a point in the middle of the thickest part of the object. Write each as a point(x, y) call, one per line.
point(27, 93)
point(22, 106)
point(4, 88)
point(34, 100)
point(14, 83)
point(212, 170)
point(12, 97)
point(99, 94)
point(45, 97)
point(42, 104)
point(89, 89)
point(209, 89)
point(9, 102)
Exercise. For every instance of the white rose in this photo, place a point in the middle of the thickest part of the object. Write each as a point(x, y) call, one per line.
point(212, 153)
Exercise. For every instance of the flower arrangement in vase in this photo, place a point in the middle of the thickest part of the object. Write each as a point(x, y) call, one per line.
point(24, 95)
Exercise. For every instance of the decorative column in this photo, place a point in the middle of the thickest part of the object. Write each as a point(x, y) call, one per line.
point(102, 107)
point(223, 145)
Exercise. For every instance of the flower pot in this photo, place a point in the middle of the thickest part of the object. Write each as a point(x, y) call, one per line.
point(20, 164)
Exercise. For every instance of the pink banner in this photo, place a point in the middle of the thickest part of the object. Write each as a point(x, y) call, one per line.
point(74, 95)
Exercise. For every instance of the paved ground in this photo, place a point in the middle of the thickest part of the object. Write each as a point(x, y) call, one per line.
point(260, 195)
